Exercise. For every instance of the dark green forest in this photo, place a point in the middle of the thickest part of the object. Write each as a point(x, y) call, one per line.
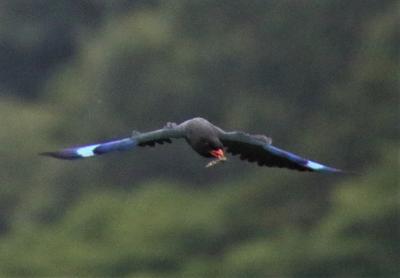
point(319, 77)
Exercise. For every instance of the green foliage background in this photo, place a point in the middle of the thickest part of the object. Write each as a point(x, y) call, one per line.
point(320, 77)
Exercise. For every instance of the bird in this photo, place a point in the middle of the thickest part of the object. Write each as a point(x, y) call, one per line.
point(207, 140)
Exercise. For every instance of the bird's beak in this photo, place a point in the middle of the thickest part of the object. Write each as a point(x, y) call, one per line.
point(219, 153)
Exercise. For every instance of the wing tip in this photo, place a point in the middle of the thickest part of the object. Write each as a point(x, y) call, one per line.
point(61, 155)
point(87, 151)
point(317, 167)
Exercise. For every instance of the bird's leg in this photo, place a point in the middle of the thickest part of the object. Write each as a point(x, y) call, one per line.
point(216, 161)
point(170, 125)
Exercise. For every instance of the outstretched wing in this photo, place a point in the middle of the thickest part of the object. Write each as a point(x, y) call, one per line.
point(258, 148)
point(151, 138)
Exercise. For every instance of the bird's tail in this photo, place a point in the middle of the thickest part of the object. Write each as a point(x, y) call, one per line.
point(93, 149)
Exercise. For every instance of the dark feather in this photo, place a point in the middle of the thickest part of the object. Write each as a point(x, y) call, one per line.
point(258, 148)
point(152, 138)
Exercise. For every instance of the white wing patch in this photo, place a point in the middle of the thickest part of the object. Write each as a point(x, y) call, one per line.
point(315, 165)
point(87, 150)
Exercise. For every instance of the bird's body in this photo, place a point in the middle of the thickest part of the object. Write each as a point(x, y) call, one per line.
point(202, 136)
point(207, 140)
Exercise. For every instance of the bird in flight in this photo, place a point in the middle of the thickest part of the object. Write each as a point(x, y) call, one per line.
point(207, 140)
